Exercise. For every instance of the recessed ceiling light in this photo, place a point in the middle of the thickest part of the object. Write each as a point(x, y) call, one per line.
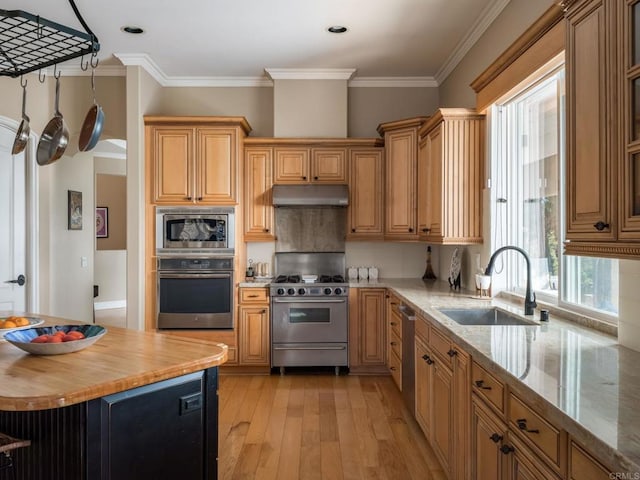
point(132, 29)
point(337, 29)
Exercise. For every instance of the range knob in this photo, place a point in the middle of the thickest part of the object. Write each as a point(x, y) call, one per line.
point(301, 291)
point(291, 291)
point(327, 291)
point(280, 291)
point(338, 291)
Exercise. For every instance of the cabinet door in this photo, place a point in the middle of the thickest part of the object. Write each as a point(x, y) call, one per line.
point(365, 203)
point(401, 152)
point(372, 338)
point(291, 165)
point(329, 165)
point(424, 189)
point(591, 145)
point(254, 335)
point(525, 465)
point(434, 197)
point(172, 160)
point(442, 414)
point(584, 466)
point(461, 415)
point(487, 435)
point(258, 209)
point(423, 374)
point(217, 158)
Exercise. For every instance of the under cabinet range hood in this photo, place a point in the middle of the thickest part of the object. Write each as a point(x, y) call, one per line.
point(310, 195)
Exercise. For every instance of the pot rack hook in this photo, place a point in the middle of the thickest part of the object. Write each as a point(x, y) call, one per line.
point(84, 65)
point(41, 76)
point(23, 85)
point(94, 55)
point(56, 72)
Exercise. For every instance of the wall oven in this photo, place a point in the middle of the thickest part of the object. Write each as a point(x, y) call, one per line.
point(195, 292)
point(195, 230)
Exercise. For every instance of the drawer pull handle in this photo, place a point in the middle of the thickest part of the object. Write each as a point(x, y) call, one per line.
point(393, 369)
point(495, 438)
point(394, 324)
point(480, 384)
point(507, 449)
point(452, 353)
point(601, 225)
point(522, 425)
point(426, 230)
point(252, 296)
point(427, 359)
point(393, 344)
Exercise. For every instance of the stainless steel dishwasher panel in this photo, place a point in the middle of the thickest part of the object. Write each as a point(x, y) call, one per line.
point(408, 357)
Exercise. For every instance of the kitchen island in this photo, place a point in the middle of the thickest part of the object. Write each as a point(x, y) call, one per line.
point(133, 405)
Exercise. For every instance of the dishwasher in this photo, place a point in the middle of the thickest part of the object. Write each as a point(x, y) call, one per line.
point(408, 357)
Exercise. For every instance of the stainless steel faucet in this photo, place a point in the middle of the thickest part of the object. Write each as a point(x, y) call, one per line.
point(529, 296)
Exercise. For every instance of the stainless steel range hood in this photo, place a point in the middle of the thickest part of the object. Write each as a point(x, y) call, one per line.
point(310, 195)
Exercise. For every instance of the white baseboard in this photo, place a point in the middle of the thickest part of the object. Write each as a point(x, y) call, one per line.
point(109, 305)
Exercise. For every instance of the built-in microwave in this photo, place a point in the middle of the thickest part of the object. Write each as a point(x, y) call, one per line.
point(195, 230)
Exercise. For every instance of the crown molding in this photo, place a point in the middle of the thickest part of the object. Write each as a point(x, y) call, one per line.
point(310, 73)
point(396, 82)
point(462, 48)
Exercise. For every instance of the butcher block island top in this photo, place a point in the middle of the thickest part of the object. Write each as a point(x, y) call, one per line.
point(121, 360)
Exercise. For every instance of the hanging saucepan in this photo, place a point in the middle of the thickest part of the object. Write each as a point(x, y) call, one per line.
point(93, 122)
point(22, 135)
point(55, 136)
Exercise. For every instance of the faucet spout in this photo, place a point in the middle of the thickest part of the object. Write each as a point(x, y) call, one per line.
point(529, 296)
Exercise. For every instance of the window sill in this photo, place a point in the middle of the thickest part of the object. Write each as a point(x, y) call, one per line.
point(579, 318)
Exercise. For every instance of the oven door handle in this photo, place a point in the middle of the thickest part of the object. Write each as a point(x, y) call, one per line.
point(340, 347)
point(194, 275)
point(308, 300)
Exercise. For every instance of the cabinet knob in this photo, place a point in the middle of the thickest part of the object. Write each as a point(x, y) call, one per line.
point(495, 438)
point(266, 230)
point(411, 229)
point(393, 323)
point(315, 178)
point(353, 230)
point(304, 178)
point(522, 425)
point(393, 344)
point(480, 384)
point(427, 359)
point(189, 198)
point(393, 369)
point(199, 199)
point(264, 311)
point(507, 449)
point(452, 352)
point(601, 225)
point(426, 230)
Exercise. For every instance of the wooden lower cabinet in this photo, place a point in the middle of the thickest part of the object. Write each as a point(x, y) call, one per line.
point(367, 336)
point(487, 434)
point(423, 381)
point(442, 420)
point(583, 466)
point(253, 327)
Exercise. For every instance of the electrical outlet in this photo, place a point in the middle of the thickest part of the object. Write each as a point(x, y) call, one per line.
point(84, 262)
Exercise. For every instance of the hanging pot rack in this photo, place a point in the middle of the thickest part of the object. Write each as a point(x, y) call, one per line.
point(29, 42)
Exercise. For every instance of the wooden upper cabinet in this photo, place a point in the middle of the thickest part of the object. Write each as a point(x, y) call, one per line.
point(401, 159)
point(591, 122)
point(258, 209)
point(365, 211)
point(451, 173)
point(194, 159)
point(299, 165)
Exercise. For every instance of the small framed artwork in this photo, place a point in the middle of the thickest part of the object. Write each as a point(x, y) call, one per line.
point(74, 202)
point(102, 222)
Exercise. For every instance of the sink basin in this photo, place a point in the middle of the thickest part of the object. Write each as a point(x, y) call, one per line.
point(483, 316)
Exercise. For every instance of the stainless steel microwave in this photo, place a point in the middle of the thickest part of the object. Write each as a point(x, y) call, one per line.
point(195, 230)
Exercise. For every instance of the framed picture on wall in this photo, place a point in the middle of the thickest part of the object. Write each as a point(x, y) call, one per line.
point(74, 214)
point(102, 222)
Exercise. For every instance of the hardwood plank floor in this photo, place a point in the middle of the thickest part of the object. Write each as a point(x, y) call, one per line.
point(319, 427)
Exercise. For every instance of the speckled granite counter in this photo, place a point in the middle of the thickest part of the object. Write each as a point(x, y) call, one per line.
point(580, 379)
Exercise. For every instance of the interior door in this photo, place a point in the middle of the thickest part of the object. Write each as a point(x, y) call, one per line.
point(13, 220)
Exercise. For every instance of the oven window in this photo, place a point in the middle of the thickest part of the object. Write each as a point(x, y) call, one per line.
point(309, 315)
point(195, 295)
point(196, 229)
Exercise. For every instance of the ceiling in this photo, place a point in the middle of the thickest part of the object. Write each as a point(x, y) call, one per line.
point(238, 39)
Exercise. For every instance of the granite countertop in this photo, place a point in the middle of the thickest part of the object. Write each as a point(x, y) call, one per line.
point(121, 360)
point(577, 377)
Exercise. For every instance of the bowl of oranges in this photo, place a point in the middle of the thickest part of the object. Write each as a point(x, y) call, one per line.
point(55, 340)
point(8, 324)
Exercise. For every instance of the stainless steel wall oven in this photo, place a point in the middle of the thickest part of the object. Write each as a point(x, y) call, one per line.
point(195, 292)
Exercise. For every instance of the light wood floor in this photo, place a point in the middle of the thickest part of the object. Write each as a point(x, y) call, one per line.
point(319, 427)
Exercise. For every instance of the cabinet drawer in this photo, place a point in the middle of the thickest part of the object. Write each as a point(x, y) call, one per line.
point(441, 346)
point(254, 295)
point(395, 344)
point(395, 324)
point(422, 329)
point(535, 429)
point(488, 387)
point(582, 465)
point(395, 366)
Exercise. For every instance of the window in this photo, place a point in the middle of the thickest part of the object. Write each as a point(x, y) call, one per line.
point(527, 186)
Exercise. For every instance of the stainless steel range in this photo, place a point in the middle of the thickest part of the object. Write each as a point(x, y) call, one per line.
point(309, 316)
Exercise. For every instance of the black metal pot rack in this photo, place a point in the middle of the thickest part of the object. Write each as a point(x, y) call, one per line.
point(29, 42)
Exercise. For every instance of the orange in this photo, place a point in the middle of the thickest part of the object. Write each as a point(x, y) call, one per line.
point(9, 324)
point(22, 321)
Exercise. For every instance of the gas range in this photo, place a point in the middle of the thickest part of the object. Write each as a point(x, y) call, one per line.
point(323, 286)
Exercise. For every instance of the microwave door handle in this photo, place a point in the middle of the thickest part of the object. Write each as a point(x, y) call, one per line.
point(308, 300)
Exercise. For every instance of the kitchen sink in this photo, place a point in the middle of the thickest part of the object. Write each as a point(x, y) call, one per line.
point(483, 316)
